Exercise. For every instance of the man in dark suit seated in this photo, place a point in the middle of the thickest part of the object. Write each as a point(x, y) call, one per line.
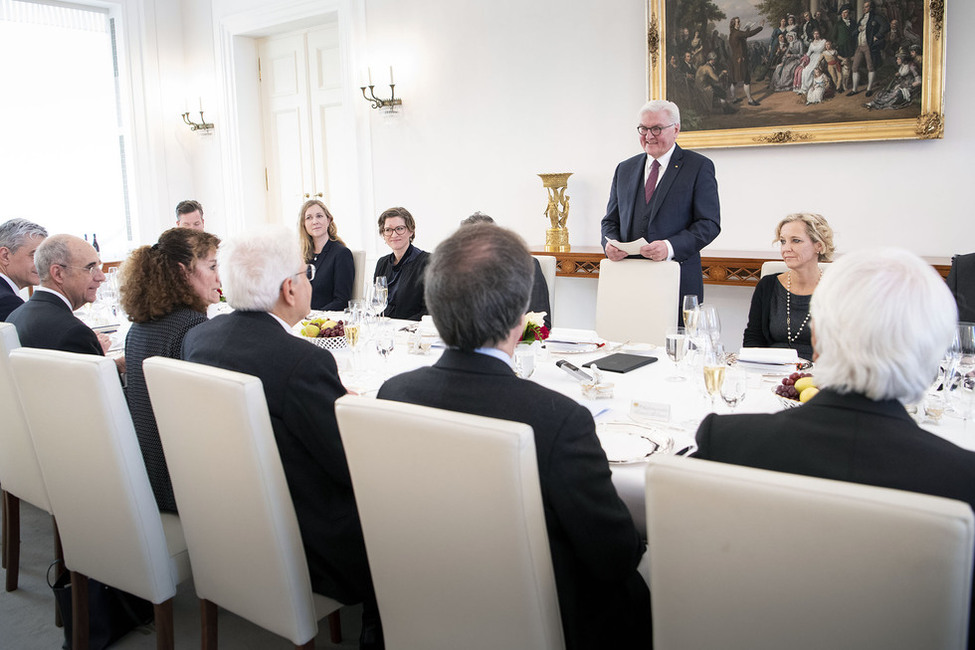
point(477, 288)
point(70, 274)
point(19, 239)
point(667, 195)
point(882, 321)
point(961, 281)
point(269, 286)
point(539, 301)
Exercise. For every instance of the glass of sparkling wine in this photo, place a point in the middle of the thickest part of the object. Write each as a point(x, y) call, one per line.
point(676, 346)
point(689, 309)
point(734, 387)
point(353, 327)
point(714, 372)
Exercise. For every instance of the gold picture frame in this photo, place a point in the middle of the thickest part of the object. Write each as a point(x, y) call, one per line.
point(774, 120)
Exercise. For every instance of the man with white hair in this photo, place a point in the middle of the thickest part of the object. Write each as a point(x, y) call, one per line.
point(667, 195)
point(269, 286)
point(882, 321)
point(19, 239)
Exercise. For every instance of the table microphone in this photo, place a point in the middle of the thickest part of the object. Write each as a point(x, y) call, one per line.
point(573, 371)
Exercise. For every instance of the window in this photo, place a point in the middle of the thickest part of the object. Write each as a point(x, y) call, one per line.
point(63, 156)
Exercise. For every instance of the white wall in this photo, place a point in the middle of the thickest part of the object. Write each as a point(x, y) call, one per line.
point(495, 93)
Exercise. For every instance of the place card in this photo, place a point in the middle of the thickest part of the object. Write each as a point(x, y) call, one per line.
point(647, 410)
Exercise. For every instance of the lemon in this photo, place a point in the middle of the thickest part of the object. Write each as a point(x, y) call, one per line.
point(808, 394)
point(310, 330)
point(803, 383)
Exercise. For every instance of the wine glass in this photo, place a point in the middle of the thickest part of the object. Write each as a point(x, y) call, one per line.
point(353, 331)
point(378, 297)
point(676, 346)
point(709, 323)
point(734, 387)
point(714, 371)
point(385, 339)
point(689, 307)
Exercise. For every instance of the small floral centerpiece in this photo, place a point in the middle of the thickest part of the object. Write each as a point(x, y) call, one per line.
point(535, 329)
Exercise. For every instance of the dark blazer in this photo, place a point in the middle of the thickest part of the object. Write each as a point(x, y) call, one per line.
point(539, 300)
point(406, 291)
point(684, 210)
point(961, 281)
point(595, 546)
point(9, 300)
point(757, 331)
point(301, 385)
point(334, 275)
point(45, 321)
point(845, 438)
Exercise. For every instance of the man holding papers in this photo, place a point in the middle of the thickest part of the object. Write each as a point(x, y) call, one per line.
point(666, 195)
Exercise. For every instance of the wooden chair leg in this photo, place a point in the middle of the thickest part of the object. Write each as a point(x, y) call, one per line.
point(3, 535)
point(79, 611)
point(335, 627)
point(11, 547)
point(164, 625)
point(58, 568)
point(208, 624)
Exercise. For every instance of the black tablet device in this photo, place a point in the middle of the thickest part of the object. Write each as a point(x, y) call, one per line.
point(621, 362)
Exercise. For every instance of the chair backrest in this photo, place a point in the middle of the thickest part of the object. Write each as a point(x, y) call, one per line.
point(549, 265)
point(637, 300)
point(19, 472)
point(89, 455)
point(238, 518)
point(358, 284)
point(452, 516)
point(742, 558)
point(776, 266)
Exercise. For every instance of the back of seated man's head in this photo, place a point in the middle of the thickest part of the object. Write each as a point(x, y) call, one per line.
point(19, 239)
point(477, 217)
point(477, 286)
point(882, 321)
point(254, 265)
point(189, 214)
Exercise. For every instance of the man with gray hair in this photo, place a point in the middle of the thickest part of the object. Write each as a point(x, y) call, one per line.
point(19, 239)
point(268, 284)
point(477, 286)
point(882, 321)
point(667, 195)
point(70, 274)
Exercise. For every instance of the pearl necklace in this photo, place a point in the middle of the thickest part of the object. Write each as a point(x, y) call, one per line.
point(788, 310)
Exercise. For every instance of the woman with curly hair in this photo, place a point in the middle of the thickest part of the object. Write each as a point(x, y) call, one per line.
point(322, 246)
point(165, 290)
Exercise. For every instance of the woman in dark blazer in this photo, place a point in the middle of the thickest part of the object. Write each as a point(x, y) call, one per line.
point(404, 267)
point(322, 246)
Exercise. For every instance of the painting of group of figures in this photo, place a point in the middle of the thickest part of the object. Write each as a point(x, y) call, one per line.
point(734, 64)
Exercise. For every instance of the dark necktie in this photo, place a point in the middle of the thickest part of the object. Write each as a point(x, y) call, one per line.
point(651, 180)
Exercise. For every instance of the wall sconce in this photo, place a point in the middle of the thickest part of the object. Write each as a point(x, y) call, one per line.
point(388, 105)
point(203, 125)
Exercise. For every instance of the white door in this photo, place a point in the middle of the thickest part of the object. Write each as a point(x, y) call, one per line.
point(309, 143)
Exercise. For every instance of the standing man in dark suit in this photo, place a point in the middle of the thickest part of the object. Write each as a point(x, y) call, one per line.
point(961, 282)
point(667, 195)
point(269, 287)
point(70, 274)
point(19, 239)
point(882, 321)
point(477, 288)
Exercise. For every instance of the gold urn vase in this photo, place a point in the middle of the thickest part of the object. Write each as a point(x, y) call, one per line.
point(557, 211)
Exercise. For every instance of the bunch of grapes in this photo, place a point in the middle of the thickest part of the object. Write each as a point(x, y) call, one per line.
point(787, 388)
point(331, 332)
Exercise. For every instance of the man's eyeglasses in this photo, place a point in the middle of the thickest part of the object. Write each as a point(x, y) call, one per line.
point(309, 272)
point(399, 230)
point(91, 268)
point(653, 130)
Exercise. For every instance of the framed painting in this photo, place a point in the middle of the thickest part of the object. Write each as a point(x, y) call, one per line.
point(768, 72)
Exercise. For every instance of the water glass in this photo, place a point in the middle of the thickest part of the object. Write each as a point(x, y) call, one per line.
point(524, 361)
point(676, 346)
point(734, 387)
point(385, 340)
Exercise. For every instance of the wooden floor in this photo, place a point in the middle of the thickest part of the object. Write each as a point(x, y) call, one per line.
point(27, 614)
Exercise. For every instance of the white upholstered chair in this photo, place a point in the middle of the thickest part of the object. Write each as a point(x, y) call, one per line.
point(358, 283)
point(93, 470)
point(637, 300)
point(20, 475)
point(451, 510)
point(748, 559)
point(549, 265)
point(233, 498)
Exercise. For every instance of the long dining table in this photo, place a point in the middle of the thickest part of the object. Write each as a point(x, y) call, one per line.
point(663, 401)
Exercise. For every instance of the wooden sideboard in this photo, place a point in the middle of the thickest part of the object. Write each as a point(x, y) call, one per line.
point(730, 268)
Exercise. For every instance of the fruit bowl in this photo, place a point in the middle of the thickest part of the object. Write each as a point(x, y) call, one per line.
point(788, 392)
point(328, 342)
point(788, 403)
point(323, 332)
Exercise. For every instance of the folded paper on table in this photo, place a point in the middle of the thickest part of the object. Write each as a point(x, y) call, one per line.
point(769, 355)
point(629, 247)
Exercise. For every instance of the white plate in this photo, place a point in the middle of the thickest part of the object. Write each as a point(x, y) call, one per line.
point(626, 442)
point(571, 348)
point(644, 349)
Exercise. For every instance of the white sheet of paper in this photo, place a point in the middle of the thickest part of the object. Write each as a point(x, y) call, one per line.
point(630, 247)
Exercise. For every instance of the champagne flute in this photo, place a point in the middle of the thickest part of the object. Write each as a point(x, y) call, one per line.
point(714, 372)
point(689, 306)
point(676, 346)
point(734, 387)
point(709, 323)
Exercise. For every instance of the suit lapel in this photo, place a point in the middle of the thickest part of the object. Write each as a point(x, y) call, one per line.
point(670, 174)
point(632, 180)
